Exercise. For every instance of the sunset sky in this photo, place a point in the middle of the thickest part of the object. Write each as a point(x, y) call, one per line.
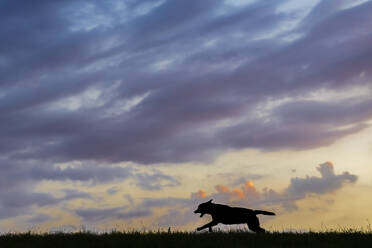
point(128, 114)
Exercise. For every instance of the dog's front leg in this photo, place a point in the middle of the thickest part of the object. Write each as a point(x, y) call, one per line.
point(209, 225)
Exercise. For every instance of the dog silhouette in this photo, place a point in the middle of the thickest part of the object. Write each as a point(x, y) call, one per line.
point(230, 215)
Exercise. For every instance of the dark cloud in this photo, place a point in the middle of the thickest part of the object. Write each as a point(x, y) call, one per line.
point(328, 113)
point(200, 66)
point(277, 135)
point(301, 125)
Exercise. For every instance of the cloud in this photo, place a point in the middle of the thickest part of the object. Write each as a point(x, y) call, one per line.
point(155, 181)
point(328, 181)
point(222, 188)
point(279, 135)
point(226, 194)
point(247, 195)
point(116, 58)
point(15, 173)
point(199, 194)
point(96, 215)
point(95, 174)
point(298, 189)
point(15, 202)
point(19, 193)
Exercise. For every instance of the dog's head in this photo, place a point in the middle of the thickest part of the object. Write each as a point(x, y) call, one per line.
point(204, 208)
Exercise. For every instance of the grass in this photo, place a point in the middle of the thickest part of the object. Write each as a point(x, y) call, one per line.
point(346, 238)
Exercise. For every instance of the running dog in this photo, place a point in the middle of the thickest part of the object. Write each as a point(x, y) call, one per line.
point(230, 215)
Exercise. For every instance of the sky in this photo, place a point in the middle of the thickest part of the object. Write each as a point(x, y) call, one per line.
point(126, 114)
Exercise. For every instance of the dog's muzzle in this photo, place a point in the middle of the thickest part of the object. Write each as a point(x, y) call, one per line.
point(196, 212)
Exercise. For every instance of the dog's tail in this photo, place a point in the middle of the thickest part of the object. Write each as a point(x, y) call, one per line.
point(263, 212)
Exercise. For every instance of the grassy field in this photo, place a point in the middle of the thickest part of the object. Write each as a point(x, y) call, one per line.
point(349, 239)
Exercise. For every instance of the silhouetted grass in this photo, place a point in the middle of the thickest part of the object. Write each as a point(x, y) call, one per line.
point(347, 238)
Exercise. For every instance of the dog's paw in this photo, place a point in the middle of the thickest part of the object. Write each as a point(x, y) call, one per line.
point(198, 229)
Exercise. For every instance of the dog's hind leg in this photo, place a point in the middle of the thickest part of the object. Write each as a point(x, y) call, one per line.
point(254, 225)
point(209, 225)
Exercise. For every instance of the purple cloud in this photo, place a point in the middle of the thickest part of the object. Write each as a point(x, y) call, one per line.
point(220, 78)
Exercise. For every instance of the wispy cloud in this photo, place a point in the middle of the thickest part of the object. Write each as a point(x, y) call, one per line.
point(116, 61)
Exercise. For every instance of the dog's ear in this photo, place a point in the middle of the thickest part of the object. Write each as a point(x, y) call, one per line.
point(210, 200)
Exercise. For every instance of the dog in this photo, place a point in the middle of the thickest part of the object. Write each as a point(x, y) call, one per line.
point(230, 215)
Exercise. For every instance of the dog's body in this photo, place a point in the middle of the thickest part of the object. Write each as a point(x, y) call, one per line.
point(230, 215)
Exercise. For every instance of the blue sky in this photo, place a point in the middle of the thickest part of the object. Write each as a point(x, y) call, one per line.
point(128, 112)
